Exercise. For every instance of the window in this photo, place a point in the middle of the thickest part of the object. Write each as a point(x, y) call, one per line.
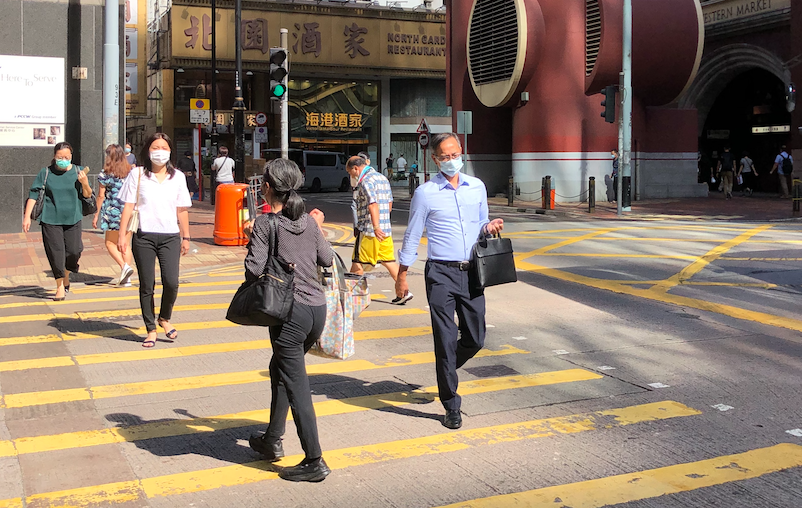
point(418, 98)
point(321, 159)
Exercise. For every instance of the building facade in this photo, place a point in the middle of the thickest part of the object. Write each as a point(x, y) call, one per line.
point(361, 78)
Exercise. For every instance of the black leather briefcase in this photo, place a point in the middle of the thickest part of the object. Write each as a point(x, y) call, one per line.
point(493, 262)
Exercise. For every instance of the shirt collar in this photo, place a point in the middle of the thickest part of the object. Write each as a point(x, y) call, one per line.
point(442, 183)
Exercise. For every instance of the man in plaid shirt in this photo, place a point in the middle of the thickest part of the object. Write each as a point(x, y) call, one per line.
point(374, 202)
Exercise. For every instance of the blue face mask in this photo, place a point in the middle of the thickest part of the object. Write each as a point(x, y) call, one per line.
point(63, 164)
point(451, 167)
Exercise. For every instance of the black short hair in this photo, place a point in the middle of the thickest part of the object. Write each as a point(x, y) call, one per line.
point(188, 153)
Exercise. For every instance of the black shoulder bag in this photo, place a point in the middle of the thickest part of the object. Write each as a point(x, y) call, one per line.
point(39, 205)
point(493, 262)
point(266, 301)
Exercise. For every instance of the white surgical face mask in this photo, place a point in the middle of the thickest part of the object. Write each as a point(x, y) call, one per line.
point(160, 157)
point(451, 167)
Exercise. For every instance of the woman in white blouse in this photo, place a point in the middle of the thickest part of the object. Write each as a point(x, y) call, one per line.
point(160, 194)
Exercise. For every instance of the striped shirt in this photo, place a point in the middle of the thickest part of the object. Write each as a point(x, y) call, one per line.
point(299, 242)
point(374, 188)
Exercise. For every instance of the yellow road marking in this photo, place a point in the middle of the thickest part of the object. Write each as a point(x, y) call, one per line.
point(758, 259)
point(185, 351)
point(570, 241)
point(24, 318)
point(682, 301)
point(12, 503)
point(697, 266)
point(244, 474)
point(174, 428)
point(111, 289)
point(653, 483)
point(16, 400)
point(614, 255)
point(186, 294)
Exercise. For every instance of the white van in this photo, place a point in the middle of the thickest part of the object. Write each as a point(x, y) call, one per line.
point(322, 170)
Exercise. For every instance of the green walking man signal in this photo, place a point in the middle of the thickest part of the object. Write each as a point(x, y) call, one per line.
point(278, 73)
point(609, 104)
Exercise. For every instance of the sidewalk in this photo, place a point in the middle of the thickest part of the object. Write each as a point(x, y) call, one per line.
point(23, 263)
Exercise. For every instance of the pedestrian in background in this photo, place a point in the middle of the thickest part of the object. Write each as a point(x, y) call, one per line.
point(130, 157)
point(614, 175)
point(187, 166)
point(374, 238)
point(354, 191)
point(388, 164)
point(748, 173)
point(452, 208)
point(110, 208)
point(61, 216)
point(784, 163)
point(223, 167)
point(302, 243)
point(160, 195)
point(726, 170)
point(401, 165)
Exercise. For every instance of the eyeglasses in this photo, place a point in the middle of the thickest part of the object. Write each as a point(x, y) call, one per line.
point(446, 158)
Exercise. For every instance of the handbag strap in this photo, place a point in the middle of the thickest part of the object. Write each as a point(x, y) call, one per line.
point(47, 172)
point(273, 225)
point(138, 180)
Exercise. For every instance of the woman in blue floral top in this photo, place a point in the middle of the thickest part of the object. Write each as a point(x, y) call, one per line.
point(110, 208)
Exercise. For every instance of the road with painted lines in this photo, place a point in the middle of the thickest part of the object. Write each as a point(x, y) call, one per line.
point(634, 364)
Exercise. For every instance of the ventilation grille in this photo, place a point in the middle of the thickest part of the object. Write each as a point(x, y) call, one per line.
point(592, 34)
point(494, 41)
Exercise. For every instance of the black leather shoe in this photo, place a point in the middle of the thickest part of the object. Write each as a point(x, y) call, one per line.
point(452, 419)
point(271, 450)
point(307, 471)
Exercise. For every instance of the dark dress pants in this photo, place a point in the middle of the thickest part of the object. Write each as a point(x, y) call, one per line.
point(146, 247)
point(63, 247)
point(448, 290)
point(289, 382)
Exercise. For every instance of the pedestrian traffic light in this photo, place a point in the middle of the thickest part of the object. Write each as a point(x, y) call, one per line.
point(608, 104)
point(278, 73)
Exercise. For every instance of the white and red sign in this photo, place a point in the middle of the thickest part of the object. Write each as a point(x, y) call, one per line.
point(423, 127)
point(261, 119)
point(423, 139)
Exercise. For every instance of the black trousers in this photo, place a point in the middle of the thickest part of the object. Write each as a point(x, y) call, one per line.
point(448, 290)
point(289, 382)
point(63, 247)
point(146, 247)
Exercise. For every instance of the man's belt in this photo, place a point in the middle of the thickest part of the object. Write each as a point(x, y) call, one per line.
point(463, 266)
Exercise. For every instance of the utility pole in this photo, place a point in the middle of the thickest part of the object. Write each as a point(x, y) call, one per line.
point(239, 102)
point(285, 123)
point(625, 125)
point(212, 182)
point(111, 74)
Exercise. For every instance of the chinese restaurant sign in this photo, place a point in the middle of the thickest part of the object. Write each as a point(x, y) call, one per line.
point(334, 122)
point(314, 39)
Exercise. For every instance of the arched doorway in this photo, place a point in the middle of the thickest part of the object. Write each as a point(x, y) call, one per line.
point(749, 115)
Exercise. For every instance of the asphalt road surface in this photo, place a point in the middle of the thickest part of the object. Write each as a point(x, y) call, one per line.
point(652, 364)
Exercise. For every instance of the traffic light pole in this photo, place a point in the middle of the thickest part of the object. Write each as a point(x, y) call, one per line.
point(285, 122)
point(625, 125)
point(239, 102)
point(111, 74)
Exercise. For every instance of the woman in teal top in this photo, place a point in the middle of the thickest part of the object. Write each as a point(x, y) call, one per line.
point(61, 215)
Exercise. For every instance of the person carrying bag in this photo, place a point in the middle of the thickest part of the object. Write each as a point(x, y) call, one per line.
point(289, 236)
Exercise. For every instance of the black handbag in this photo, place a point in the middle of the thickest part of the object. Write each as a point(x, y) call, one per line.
point(493, 262)
point(267, 300)
point(39, 205)
point(88, 205)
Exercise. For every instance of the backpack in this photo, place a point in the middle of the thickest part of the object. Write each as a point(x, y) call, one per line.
point(788, 165)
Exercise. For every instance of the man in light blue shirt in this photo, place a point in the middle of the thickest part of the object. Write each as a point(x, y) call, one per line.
point(785, 163)
point(452, 208)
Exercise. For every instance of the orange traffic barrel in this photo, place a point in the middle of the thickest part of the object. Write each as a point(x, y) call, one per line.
point(230, 211)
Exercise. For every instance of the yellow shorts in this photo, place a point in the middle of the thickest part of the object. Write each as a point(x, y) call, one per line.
point(368, 250)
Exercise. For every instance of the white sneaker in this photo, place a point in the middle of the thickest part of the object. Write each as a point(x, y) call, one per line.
point(125, 275)
point(401, 300)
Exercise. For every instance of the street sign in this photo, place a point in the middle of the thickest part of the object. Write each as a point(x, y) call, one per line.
point(200, 116)
point(199, 104)
point(423, 139)
point(464, 122)
point(260, 135)
point(423, 127)
point(261, 119)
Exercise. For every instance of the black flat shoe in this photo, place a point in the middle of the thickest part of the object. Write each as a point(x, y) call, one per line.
point(452, 420)
point(272, 451)
point(307, 471)
point(66, 289)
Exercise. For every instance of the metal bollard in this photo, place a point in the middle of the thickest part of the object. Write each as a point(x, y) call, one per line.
point(510, 191)
point(592, 194)
point(549, 205)
point(796, 194)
